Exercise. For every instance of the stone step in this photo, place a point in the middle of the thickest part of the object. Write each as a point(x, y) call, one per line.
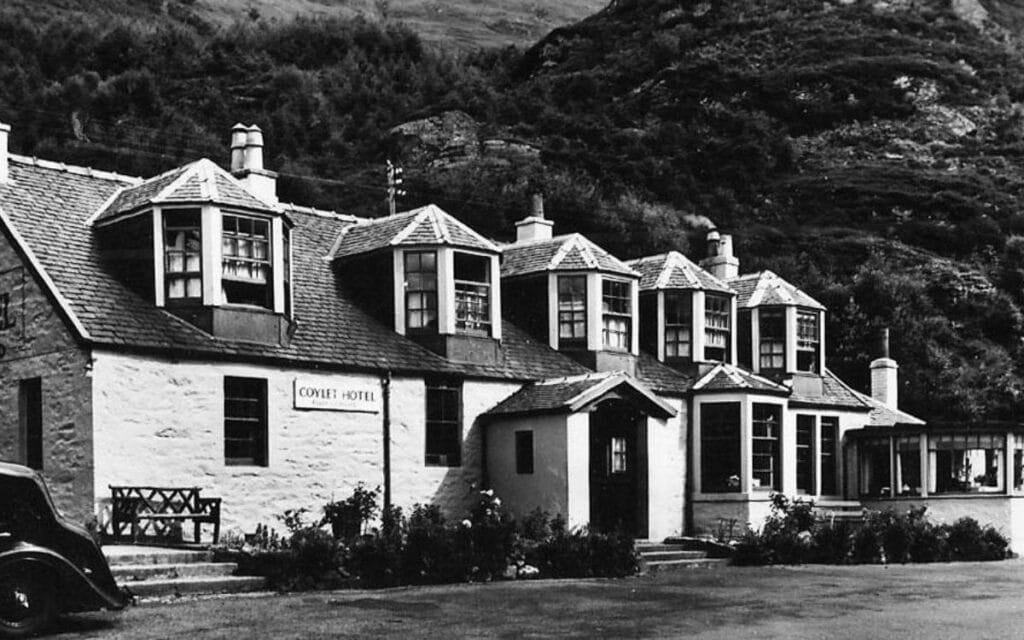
point(128, 573)
point(194, 586)
point(118, 555)
point(680, 565)
point(674, 554)
point(647, 547)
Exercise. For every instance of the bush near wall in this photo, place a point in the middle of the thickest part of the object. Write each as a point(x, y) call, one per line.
point(793, 535)
point(424, 547)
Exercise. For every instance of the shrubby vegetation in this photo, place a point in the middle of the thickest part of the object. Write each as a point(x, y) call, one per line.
point(870, 152)
point(426, 548)
point(793, 534)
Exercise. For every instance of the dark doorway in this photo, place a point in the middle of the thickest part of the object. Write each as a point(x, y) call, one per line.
point(617, 470)
point(31, 417)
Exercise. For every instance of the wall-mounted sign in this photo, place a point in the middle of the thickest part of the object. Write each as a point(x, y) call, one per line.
point(330, 395)
point(12, 308)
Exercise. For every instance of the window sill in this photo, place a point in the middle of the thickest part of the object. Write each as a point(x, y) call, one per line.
point(946, 496)
point(760, 496)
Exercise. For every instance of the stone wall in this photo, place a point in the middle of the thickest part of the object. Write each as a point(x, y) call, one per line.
point(35, 342)
point(161, 422)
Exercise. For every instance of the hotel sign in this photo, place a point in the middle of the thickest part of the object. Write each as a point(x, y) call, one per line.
point(328, 395)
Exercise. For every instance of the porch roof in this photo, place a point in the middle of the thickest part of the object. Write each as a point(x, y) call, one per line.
point(725, 378)
point(575, 393)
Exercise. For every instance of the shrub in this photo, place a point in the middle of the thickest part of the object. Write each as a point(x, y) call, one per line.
point(968, 540)
point(583, 553)
point(348, 517)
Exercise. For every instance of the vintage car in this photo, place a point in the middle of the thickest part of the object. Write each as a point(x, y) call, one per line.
point(48, 566)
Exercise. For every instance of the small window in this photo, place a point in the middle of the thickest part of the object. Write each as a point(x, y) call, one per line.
point(472, 294)
point(524, 452)
point(716, 327)
point(828, 453)
point(183, 255)
point(245, 421)
point(572, 311)
point(720, 447)
point(420, 291)
point(30, 410)
point(444, 424)
point(619, 458)
point(245, 260)
point(772, 350)
point(805, 453)
point(807, 341)
point(678, 324)
point(766, 428)
point(617, 314)
point(1018, 462)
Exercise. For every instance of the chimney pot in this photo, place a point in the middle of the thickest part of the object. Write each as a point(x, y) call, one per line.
point(534, 226)
point(5, 172)
point(254, 149)
point(239, 135)
point(538, 205)
point(720, 261)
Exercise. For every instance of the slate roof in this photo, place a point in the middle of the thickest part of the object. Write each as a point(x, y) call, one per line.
point(883, 416)
point(197, 182)
point(48, 206)
point(428, 225)
point(726, 377)
point(572, 394)
point(834, 393)
point(571, 252)
point(673, 270)
point(661, 377)
point(767, 288)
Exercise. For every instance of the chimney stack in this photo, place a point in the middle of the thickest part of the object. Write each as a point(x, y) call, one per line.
point(534, 226)
point(247, 162)
point(720, 261)
point(884, 377)
point(5, 172)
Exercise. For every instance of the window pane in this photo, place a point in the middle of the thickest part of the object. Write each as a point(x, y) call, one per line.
point(678, 323)
point(720, 447)
point(245, 421)
point(805, 453)
point(617, 318)
point(716, 327)
point(829, 450)
point(966, 463)
point(443, 424)
point(524, 451)
point(572, 308)
point(246, 261)
point(766, 425)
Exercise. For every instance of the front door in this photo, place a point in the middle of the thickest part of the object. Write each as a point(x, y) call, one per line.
point(615, 500)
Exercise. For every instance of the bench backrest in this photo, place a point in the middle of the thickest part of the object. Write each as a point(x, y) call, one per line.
point(157, 499)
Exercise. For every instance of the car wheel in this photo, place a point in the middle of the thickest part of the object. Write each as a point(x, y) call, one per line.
point(28, 602)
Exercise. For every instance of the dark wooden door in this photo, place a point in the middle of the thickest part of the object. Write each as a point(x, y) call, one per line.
point(614, 469)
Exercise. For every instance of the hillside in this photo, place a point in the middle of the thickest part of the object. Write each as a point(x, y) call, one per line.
point(869, 151)
point(463, 23)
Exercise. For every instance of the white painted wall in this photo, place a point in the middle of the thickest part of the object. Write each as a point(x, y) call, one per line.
point(161, 422)
point(548, 486)
point(666, 473)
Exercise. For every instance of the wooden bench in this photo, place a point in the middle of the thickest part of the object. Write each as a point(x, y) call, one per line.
point(158, 511)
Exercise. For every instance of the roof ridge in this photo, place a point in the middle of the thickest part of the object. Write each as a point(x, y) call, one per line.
point(580, 377)
point(400, 237)
point(76, 170)
point(323, 213)
point(187, 171)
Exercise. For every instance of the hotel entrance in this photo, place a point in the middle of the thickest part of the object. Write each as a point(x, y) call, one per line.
point(618, 469)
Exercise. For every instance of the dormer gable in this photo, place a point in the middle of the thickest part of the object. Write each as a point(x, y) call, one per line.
point(782, 329)
point(440, 278)
point(215, 253)
point(575, 295)
point(687, 315)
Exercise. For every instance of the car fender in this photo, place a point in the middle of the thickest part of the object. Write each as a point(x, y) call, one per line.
point(77, 590)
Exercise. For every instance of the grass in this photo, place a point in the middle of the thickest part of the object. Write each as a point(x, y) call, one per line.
point(927, 601)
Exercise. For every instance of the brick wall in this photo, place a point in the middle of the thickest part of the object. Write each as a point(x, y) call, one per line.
point(35, 342)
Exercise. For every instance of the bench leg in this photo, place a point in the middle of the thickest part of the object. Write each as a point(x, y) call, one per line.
point(199, 531)
point(135, 530)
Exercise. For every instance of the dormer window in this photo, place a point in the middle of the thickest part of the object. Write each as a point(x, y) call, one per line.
point(772, 331)
point(716, 327)
point(245, 260)
point(616, 309)
point(421, 291)
point(808, 341)
point(572, 311)
point(678, 324)
point(472, 294)
point(183, 255)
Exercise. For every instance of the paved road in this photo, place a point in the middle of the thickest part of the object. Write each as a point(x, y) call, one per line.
point(964, 601)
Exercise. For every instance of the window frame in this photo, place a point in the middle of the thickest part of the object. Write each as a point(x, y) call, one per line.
point(524, 451)
point(426, 294)
point(828, 455)
point(806, 452)
point(713, 331)
point(184, 274)
point(435, 454)
point(771, 441)
point(473, 315)
point(616, 314)
point(907, 452)
point(721, 446)
point(806, 342)
point(238, 236)
point(572, 316)
point(678, 322)
point(259, 420)
point(771, 347)
point(993, 482)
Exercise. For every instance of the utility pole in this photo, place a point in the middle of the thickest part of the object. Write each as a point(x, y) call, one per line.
point(394, 186)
